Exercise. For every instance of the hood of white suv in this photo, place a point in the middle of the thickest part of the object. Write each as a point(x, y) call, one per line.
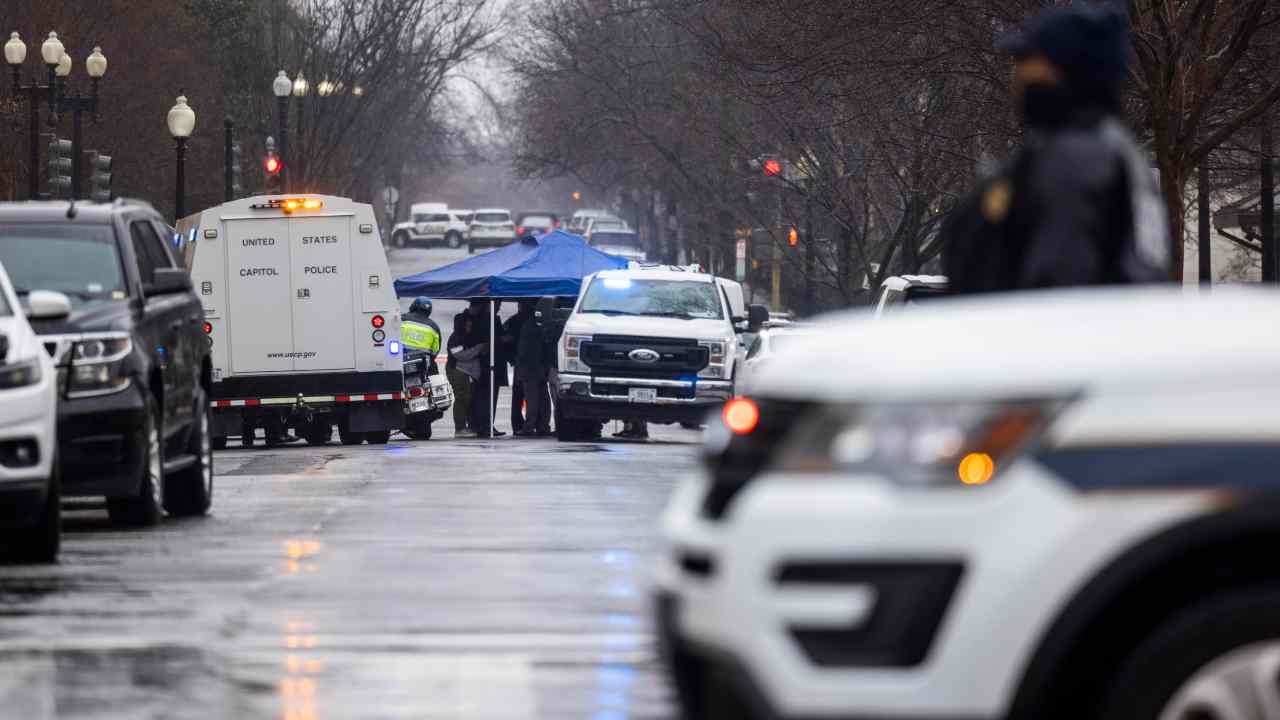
point(698, 329)
point(1033, 343)
point(22, 342)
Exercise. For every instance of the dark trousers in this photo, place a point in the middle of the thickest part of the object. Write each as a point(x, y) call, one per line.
point(538, 395)
point(517, 398)
point(482, 417)
point(461, 397)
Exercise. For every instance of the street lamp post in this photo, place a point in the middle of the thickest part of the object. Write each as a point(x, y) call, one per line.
point(51, 52)
point(96, 67)
point(282, 87)
point(181, 121)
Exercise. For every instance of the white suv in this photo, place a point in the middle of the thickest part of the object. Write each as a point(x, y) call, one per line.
point(430, 224)
point(30, 497)
point(1047, 505)
point(490, 228)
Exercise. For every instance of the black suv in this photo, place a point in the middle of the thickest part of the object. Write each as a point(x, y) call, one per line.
point(133, 360)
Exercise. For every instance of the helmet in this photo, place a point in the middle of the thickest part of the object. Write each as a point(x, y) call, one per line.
point(422, 305)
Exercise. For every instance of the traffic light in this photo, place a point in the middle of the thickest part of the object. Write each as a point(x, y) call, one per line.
point(577, 196)
point(60, 167)
point(772, 167)
point(99, 177)
point(236, 187)
point(793, 237)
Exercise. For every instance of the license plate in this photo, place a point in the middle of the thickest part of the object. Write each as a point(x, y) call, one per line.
point(417, 405)
point(643, 395)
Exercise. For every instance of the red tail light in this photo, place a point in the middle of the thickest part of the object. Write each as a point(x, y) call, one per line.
point(520, 230)
point(378, 321)
point(208, 328)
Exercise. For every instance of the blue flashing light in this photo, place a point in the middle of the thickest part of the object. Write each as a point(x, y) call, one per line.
point(393, 347)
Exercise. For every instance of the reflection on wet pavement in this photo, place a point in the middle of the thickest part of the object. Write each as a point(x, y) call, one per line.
point(415, 580)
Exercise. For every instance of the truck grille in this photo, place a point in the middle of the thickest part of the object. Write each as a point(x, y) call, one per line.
point(676, 357)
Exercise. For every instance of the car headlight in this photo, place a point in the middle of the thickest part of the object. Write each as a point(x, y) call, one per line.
point(20, 374)
point(573, 354)
point(926, 444)
point(715, 370)
point(98, 366)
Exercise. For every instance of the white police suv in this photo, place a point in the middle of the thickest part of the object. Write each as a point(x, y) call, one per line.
point(30, 499)
point(1048, 505)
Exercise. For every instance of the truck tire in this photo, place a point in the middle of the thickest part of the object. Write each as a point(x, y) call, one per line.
point(417, 427)
point(346, 435)
point(454, 240)
point(577, 430)
point(40, 542)
point(219, 443)
point(319, 432)
point(189, 493)
point(378, 437)
point(1185, 649)
point(147, 507)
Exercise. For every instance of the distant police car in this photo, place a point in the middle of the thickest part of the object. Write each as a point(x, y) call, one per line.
point(1046, 506)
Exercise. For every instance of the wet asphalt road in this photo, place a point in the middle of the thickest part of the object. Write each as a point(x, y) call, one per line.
point(439, 579)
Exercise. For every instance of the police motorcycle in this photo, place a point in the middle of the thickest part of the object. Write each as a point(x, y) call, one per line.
point(427, 392)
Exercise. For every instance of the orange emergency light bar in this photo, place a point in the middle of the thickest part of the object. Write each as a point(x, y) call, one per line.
point(291, 205)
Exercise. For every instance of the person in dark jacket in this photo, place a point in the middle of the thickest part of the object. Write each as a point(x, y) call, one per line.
point(532, 366)
point(1078, 204)
point(493, 370)
point(511, 329)
point(460, 380)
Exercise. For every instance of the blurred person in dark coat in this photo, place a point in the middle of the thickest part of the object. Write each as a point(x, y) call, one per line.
point(1078, 204)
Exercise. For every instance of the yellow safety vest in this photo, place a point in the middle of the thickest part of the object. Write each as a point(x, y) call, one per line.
point(417, 336)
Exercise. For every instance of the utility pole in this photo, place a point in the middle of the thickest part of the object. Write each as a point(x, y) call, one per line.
point(1268, 220)
point(1202, 193)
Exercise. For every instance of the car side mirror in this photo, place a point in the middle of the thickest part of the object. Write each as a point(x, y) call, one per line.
point(168, 280)
point(757, 316)
point(47, 305)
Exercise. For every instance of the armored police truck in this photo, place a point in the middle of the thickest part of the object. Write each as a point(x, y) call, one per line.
point(301, 316)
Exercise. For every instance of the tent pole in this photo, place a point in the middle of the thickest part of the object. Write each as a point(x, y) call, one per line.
point(493, 353)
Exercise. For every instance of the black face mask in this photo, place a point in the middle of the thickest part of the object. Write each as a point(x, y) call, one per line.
point(1047, 106)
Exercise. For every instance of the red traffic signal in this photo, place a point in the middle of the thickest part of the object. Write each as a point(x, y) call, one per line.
point(793, 237)
point(772, 167)
point(272, 165)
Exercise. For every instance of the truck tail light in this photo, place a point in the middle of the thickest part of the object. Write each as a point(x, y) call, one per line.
point(378, 321)
point(208, 328)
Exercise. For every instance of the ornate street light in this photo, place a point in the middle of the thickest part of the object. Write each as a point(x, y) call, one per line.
point(282, 87)
point(58, 66)
point(181, 121)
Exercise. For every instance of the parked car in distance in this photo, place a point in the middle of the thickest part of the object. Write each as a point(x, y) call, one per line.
point(490, 228)
point(578, 223)
point(1075, 486)
point(30, 493)
point(133, 418)
point(902, 290)
point(430, 224)
point(536, 223)
point(604, 224)
point(622, 243)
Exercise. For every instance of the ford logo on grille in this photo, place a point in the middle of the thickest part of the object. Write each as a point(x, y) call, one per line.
point(644, 355)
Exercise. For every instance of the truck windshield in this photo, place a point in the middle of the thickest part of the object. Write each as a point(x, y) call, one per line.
point(613, 295)
point(79, 261)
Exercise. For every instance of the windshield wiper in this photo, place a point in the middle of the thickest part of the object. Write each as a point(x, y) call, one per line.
point(613, 312)
point(671, 314)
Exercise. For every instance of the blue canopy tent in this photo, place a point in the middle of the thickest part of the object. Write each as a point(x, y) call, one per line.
point(553, 264)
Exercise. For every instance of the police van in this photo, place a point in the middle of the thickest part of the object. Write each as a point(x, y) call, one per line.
point(301, 317)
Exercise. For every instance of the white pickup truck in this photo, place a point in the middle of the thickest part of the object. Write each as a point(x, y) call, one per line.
point(657, 344)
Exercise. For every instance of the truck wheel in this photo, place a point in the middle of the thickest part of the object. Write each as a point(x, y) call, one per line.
point(1205, 662)
point(454, 240)
point(417, 427)
point(346, 435)
point(147, 507)
point(319, 432)
point(40, 542)
point(190, 491)
point(378, 437)
point(400, 240)
point(576, 430)
point(219, 443)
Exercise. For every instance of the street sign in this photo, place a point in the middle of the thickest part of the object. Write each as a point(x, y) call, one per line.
point(741, 266)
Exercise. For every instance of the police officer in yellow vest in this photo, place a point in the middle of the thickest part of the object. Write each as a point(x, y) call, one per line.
point(419, 332)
